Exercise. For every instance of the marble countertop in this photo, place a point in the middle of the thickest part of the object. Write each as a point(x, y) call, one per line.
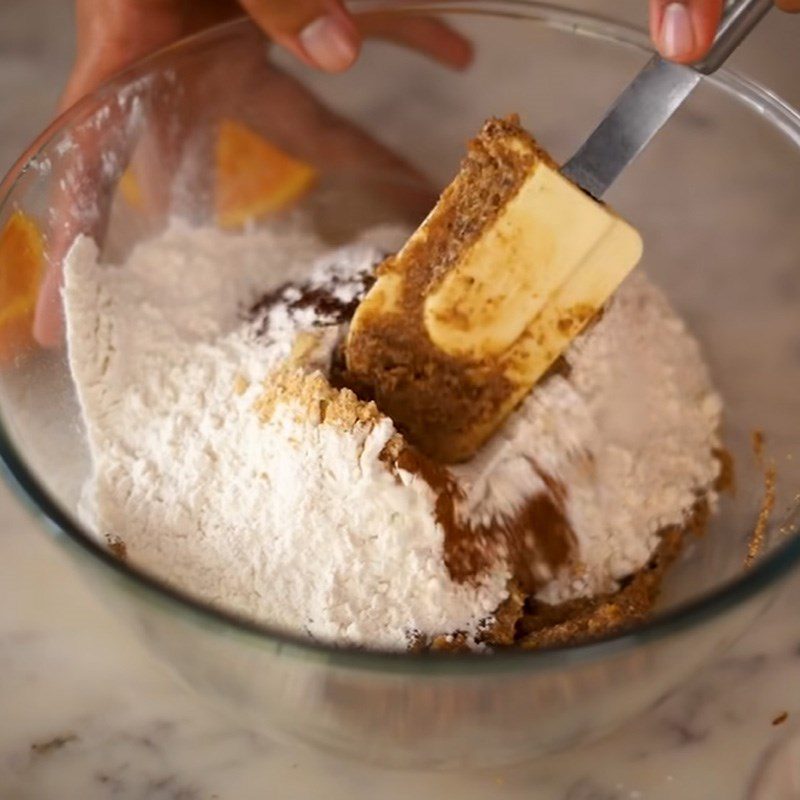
point(85, 712)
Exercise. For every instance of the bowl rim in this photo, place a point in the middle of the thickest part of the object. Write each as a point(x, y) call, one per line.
point(735, 591)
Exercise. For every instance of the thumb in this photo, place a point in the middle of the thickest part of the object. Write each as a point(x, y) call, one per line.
point(320, 32)
point(683, 30)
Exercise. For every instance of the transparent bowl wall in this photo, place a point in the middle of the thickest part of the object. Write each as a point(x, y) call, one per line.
point(715, 197)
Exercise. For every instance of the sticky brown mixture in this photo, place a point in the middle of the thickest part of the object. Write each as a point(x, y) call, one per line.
point(757, 541)
point(525, 623)
point(436, 398)
point(726, 480)
point(117, 547)
point(543, 625)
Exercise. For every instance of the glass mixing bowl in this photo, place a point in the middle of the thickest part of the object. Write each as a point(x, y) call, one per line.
point(715, 197)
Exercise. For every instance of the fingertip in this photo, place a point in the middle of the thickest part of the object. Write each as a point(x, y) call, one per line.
point(427, 35)
point(684, 30)
point(441, 41)
point(330, 43)
point(320, 33)
point(675, 38)
point(457, 51)
point(706, 16)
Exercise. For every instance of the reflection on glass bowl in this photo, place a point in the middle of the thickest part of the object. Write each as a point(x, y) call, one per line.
point(730, 272)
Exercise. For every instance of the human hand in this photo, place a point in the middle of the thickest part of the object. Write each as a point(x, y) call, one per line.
point(114, 33)
point(683, 30)
point(305, 127)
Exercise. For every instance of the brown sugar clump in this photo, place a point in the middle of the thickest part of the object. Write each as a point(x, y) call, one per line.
point(314, 400)
point(503, 630)
point(522, 622)
point(591, 618)
point(532, 624)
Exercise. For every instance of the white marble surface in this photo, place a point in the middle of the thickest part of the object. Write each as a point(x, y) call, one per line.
point(86, 713)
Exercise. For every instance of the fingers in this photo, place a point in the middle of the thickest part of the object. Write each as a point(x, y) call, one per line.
point(324, 35)
point(683, 30)
point(427, 35)
point(320, 32)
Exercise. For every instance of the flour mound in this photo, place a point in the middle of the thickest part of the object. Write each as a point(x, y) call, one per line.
point(228, 466)
point(286, 521)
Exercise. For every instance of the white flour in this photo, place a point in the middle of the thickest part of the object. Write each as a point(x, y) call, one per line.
point(629, 433)
point(301, 525)
point(296, 524)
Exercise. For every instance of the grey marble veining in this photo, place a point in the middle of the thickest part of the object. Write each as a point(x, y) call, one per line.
point(86, 713)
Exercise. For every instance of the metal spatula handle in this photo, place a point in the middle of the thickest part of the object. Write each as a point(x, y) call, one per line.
point(650, 100)
point(739, 18)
